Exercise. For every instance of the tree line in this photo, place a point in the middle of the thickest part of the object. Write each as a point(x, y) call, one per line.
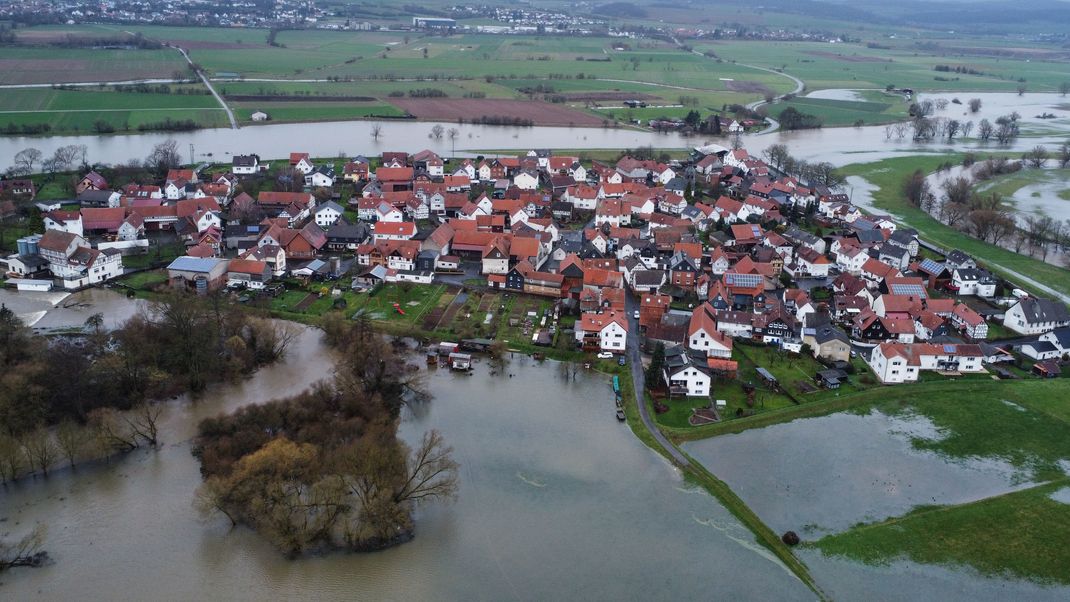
point(326, 469)
point(73, 398)
point(987, 216)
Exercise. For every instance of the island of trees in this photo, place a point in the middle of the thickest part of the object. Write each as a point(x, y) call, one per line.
point(326, 469)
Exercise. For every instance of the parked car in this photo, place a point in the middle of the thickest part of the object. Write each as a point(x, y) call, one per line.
point(605, 355)
point(622, 360)
point(635, 314)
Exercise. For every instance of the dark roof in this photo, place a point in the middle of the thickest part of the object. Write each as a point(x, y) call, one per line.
point(1044, 310)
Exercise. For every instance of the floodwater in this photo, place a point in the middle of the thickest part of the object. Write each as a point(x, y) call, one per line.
point(837, 145)
point(557, 500)
point(795, 476)
point(818, 476)
point(58, 309)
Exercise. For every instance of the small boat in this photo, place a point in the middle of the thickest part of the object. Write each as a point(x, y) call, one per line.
point(620, 415)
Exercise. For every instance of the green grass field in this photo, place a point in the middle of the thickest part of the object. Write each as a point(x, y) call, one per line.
point(77, 110)
point(884, 109)
point(31, 65)
point(1007, 185)
point(1021, 534)
point(889, 174)
point(316, 111)
point(823, 65)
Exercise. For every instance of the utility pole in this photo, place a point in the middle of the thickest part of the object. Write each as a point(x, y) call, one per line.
point(192, 161)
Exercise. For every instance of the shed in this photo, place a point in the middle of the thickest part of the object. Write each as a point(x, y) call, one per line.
point(767, 377)
point(831, 378)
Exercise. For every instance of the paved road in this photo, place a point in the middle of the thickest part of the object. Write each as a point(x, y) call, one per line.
point(222, 103)
point(639, 382)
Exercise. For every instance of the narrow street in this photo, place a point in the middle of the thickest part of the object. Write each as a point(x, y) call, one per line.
point(635, 358)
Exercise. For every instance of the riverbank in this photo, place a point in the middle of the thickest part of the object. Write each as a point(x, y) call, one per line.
point(888, 175)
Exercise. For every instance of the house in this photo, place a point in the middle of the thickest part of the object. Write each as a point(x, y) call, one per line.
point(969, 321)
point(1050, 345)
point(495, 257)
point(901, 362)
point(301, 163)
point(248, 273)
point(320, 177)
point(1035, 316)
point(393, 231)
point(66, 221)
point(973, 281)
point(201, 275)
point(93, 198)
point(19, 187)
point(245, 164)
point(74, 262)
point(327, 214)
point(343, 236)
point(827, 342)
point(526, 180)
point(355, 171)
point(91, 181)
point(702, 334)
point(686, 375)
point(605, 331)
point(259, 116)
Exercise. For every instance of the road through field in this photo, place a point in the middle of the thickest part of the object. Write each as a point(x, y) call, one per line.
point(222, 103)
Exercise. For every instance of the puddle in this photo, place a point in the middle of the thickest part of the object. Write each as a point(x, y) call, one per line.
point(1062, 496)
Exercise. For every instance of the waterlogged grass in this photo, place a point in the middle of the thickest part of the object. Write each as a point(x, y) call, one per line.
point(1008, 185)
point(1021, 534)
point(1002, 422)
point(888, 176)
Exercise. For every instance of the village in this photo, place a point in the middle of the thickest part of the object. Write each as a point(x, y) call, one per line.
point(740, 285)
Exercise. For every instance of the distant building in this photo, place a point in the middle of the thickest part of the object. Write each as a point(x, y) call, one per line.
point(433, 23)
point(259, 116)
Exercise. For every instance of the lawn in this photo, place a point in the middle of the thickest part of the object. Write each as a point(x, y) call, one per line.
point(146, 280)
point(1021, 534)
point(888, 176)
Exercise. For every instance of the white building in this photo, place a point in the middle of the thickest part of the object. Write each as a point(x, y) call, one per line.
point(607, 330)
point(1036, 316)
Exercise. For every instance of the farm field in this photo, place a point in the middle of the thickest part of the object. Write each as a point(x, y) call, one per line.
point(46, 65)
point(120, 120)
point(847, 112)
point(823, 65)
point(311, 110)
point(471, 109)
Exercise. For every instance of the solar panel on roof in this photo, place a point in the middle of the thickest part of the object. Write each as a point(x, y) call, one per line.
point(949, 349)
point(931, 265)
point(914, 290)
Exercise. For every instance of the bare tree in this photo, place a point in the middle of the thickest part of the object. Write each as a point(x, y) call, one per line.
point(1064, 88)
point(452, 134)
point(1021, 89)
point(916, 188)
point(775, 155)
point(974, 104)
point(164, 156)
point(40, 451)
point(941, 103)
point(432, 472)
point(966, 129)
point(71, 439)
point(984, 130)
point(437, 131)
point(377, 130)
point(951, 128)
point(1036, 157)
point(10, 458)
point(26, 158)
point(142, 422)
point(24, 552)
point(1064, 155)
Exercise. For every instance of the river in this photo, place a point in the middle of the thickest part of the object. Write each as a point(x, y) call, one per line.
point(557, 500)
point(327, 139)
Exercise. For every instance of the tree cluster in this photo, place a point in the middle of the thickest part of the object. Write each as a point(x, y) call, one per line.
point(96, 389)
point(325, 469)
